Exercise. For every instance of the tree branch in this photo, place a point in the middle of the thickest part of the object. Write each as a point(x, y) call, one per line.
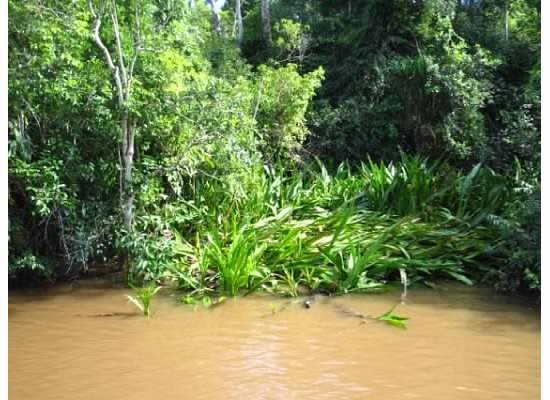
point(97, 39)
point(118, 40)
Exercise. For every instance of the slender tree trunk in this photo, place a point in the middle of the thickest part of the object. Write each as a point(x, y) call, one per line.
point(216, 6)
point(127, 144)
point(240, 26)
point(266, 22)
point(127, 139)
point(216, 21)
point(122, 77)
point(506, 19)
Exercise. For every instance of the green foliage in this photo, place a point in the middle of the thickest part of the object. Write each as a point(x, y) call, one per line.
point(30, 263)
point(291, 283)
point(413, 186)
point(238, 262)
point(230, 194)
point(323, 231)
point(351, 273)
point(143, 297)
point(282, 101)
point(405, 187)
point(291, 40)
point(520, 230)
point(393, 319)
point(429, 77)
point(199, 110)
point(43, 183)
point(206, 301)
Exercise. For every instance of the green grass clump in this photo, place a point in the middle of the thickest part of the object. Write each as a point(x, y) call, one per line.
point(350, 231)
point(143, 298)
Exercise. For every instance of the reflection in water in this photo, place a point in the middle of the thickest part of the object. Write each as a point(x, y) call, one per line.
point(461, 344)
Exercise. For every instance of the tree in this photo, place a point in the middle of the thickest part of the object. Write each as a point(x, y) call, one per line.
point(122, 70)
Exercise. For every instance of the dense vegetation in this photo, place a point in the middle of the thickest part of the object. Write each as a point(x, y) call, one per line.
point(231, 146)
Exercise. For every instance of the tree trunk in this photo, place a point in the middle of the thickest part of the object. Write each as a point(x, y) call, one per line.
point(122, 77)
point(506, 18)
point(266, 22)
point(216, 6)
point(216, 21)
point(127, 140)
point(127, 133)
point(240, 26)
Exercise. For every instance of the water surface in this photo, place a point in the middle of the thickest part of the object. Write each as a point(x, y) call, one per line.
point(461, 343)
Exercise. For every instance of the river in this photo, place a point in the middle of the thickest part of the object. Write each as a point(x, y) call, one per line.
point(90, 343)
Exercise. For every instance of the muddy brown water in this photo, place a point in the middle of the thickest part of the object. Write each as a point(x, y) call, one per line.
point(461, 343)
